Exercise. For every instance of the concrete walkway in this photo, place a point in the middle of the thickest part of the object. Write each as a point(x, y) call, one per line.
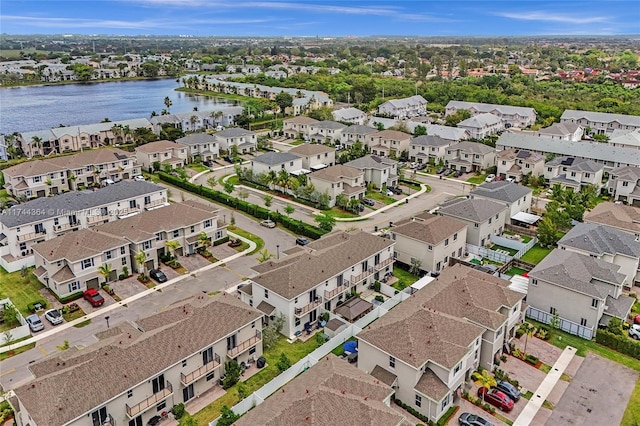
point(105, 310)
point(540, 395)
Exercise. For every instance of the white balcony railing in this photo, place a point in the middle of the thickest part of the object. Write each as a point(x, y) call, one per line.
point(135, 410)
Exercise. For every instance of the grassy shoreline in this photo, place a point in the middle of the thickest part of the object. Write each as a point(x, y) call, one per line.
point(231, 96)
point(108, 80)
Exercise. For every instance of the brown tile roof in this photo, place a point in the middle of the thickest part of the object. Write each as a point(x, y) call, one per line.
point(431, 386)
point(323, 259)
point(330, 393)
point(64, 274)
point(158, 146)
point(310, 149)
point(391, 135)
point(246, 289)
point(334, 324)
point(349, 190)
point(266, 308)
point(352, 309)
point(121, 362)
point(384, 375)
point(301, 119)
point(145, 225)
point(618, 216)
point(429, 228)
point(336, 173)
point(78, 245)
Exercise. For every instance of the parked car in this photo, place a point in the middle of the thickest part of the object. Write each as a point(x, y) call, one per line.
point(268, 223)
point(396, 190)
point(34, 323)
point(509, 390)
point(490, 178)
point(139, 178)
point(93, 296)
point(368, 201)
point(446, 172)
point(54, 316)
point(440, 170)
point(390, 193)
point(458, 173)
point(302, 241)
point(634, 331)
point(360, 207)
point(158, 275)
point(421, 166)
point(468, 419)
point(510, 179)
point(496, 397)
point(228, 159)
point(207, 163)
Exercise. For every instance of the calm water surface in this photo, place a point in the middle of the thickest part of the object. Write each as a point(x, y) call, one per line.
point(30, 108)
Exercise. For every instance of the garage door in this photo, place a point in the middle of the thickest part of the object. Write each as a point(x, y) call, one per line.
point(93, 283)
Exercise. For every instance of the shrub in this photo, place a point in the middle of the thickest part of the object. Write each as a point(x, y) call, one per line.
point(379, 298)
point(503, 358)
point(531, 359)
point(178, 410)
point(486, 406)
point(619, 343)
point(71, 297)
point(376, 285)
point(221, 241)
point(232, 373)
point(31, 306)
point(413, 411)
point(122, 277)
point(283, 363)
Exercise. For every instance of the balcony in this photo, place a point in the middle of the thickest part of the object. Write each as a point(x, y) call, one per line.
point(300, 312)
point(92, 220)
point(186, 379)
point(355, 279)
point(62, 228)
point(108, 422)
point(333, 293)
point(152, 401)
point(155, 203)
point(244, 346)
point(31, 236)
point(383, 264)
point(126, 211)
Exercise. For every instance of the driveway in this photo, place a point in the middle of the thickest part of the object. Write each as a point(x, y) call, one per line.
point(597, 394)
point(467, 407)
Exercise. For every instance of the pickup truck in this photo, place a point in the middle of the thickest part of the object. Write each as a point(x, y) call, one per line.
point(92, 296)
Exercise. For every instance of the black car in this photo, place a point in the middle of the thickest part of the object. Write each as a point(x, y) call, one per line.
point(468, 419)
point(228, 159)
point(510, 390)
point(360, 208)
point(396, 190)
point(158, 275)
point(302, 241)
point(458, 173)
point(447, 172)
point(207, 163)
point(368, 201)
point(440, 170)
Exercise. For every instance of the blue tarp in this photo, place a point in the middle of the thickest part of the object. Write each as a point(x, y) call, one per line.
point(350, 346)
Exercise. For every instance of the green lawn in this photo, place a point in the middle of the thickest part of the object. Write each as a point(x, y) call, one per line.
point(21, 290)
point(294, 351)
point(3, 194)
point(198, 167)
point(499, 247)
point(259, 241)
point(338, 212)
point(477, 179)
point(515, 271)
point(536, 254)
point(379, 196)
point(296, 143)
point(405, 279)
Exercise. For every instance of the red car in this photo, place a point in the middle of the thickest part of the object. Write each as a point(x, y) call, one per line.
point(497, 398)
point(93, 297)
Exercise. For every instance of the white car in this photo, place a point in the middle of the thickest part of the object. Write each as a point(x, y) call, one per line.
point(54, 316)
point(490, 178)
point(139, 178)
point(634, 331)
point(510, 179)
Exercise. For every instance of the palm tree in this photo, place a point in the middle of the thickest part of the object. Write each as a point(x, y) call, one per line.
point(141, 261)
point(415, 266)
point(264, 255)
point(37, 141)
point(528, 330)
point(204, 240)
point(172, 246)
point(168, 103)
point(193, 120)
point(105, 270)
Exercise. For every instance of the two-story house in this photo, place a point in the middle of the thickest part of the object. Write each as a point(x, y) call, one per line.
point(625, 139)
point(379, 171)
point(333, 392)
point(482, 125)
point(563, 131)
point(573, 173)
point(579, 290)
point(623, 183)
point(315, 279)
point(470, 156)
point(315, 156)
point(201, 145)
point(516, 197)
point(245, 140)
point(601, 122)
point(325, 132)
point(606, 243)
point(619, 216)
point(429, 241)
point(513, 164)
point(355, 133)
point(452, 134)
point(510, 116)
point(467, 312)
point(275, 162)
point(297, 127)
point(404, 108)
point(161, 153)
point(339, 179)
point(68, 264)
point(350, 115)
point(42, 219)
point(484, 218)
point(144, 368)
point(41, 178)
point(181, 222)
point(390, 143)
point(428, 149)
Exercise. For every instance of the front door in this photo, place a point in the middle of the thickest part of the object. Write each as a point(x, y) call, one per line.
point(187, 393)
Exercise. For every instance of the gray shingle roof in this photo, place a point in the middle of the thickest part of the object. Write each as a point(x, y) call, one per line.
point(196, 138)
point(578, 272)
point(482, 107)
point(372, 162)
point(501, 191)
point(474, 210)
point(601, 117)
point(275, 158)
point(430, 140)
point(577, 164)
point(619, 307)
point(479, 121)
point(600, 239)
point(561, 129)
point(48, 207)
point(347, 113)
point(628, 173)
point(429, 228)
point(234, 132)
point(359, 130)
point(472, 147)
point(328, 124)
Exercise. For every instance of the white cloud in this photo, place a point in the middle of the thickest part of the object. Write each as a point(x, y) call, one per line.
point(553, 17)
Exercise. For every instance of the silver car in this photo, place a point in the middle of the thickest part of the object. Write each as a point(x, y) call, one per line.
point(35, 324)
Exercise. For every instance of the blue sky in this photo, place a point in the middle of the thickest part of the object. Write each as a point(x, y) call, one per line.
point(320, 18)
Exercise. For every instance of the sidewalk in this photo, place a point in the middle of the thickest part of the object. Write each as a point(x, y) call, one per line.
point(101, 312)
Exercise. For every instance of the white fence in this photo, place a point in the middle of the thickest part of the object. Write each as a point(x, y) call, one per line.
point(17, 332)
point(259, 396)
point(496, 256)
point(564, 325)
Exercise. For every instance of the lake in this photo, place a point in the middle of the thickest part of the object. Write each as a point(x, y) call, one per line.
point(31, 108)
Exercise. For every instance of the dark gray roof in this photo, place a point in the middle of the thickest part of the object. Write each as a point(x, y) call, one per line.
point(501, 191)
point(49, 207)
point(584, 274)
point(601, 239)
point(328, 124)
point(233, 132)
point(196, 138)
point(430, 140)
point(474, 210)
point(600, 117)
point(577, 164)
point(274, 158)
point(372, 162)
point(359, 130)
point(619, 307)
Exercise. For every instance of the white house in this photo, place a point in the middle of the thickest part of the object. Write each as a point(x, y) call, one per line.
point(601, 122)
point(404, 108)
point(379, 171)
point(314, 156)
point(482, 125)
point(339, 179)
point(510, 116)
point(470, 156)
point(276, 161)
point(574, 173)
point(516, 197)
point(428, 149)
point(245, 140)
point(623, 185)
point(350, 115)
point(513, 164)
point(484, 218)
point(201, 145)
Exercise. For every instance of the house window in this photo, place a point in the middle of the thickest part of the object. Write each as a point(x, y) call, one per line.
point(583, 322)
point(455, 237)
point(446, 242)
point(146, 245)
point(129, 393)
point(430, 247)
point(594, 303)
point(457, 369)
point(147, 200)
point(475, 356)
point(184, 362)
point(208, 223)
point(297, 322)
point(392, 362)
point(418, 401)
point(475, 225)
point(159, 236)
point(211, 376)
point(252, 350)
point(625, 184)
point(573, 174)
point(37, 179)
point(534, 281)
point(193, 229)
point(266, 293)
point(176, 233)
point(124, 261)
point(161, 406)
point(553, 310)
point(74, 286)
point(445, 403)
point(549, 169)
point(108, 255)
point(87, 263)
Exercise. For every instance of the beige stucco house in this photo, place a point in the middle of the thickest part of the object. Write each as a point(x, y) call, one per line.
point(513, 164)
point(245, 140)
point(428, 149)
point(339, 179)
point(295, 127)
point(470, 156)
point(517, 198)
point(622, 185)
point(315, 156)
point(162, 152)
point(379, 171)
point(573, 173)
point(390, 143)
point(484, 218)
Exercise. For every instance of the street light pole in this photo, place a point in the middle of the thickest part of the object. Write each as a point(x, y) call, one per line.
point(278, 251)
point(107, 319)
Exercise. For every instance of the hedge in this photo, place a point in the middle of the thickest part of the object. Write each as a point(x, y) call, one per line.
point(618, 343)
point(221, 241)
point(295, 225)
point(71, 297)
point(31, 307)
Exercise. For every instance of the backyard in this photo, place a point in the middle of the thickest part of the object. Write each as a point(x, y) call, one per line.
point(198, 167)
point(405, 278)
point(536, 254)
point(21, 290)
point(479, 179)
